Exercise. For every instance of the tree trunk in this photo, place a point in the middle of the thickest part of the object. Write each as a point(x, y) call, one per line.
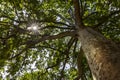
point(103, 55)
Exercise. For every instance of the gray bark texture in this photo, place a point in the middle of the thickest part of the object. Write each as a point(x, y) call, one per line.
point(103, 55)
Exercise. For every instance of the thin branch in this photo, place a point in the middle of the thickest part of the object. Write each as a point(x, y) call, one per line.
point(105, 18)
point(75, 46)
point(63, 68)
point(12, 18)
point(4, 16)
point(64, 18)
point(12, 35)
point(84, 8)
point(59, 23)
point(69, 45)
point(89, 15)
point(81, 7)
point(52, 66)
point(53, 26)
point(16, 12)
point(70, 42)
point(85, 76)
point(49, 47)
point(19, 53)
point(5, 23)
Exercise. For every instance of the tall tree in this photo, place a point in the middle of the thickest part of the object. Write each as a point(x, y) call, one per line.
point(102, 54)
point(56, 40)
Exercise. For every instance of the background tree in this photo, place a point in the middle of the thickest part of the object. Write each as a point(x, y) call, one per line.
point(44, 38)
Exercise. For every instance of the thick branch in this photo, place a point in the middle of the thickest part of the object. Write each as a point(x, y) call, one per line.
point(78, 17)
point(44, 38)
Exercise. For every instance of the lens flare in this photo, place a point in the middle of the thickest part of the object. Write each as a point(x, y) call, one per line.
point(33, 27)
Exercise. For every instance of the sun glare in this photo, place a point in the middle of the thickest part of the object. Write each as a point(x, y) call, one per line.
point(33, 27)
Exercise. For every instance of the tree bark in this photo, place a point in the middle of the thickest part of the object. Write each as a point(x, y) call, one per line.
point(103, 56)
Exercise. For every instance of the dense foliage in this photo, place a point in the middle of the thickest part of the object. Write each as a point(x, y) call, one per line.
point(37, 40)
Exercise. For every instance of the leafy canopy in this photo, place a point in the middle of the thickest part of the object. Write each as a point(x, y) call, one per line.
point(51, 50)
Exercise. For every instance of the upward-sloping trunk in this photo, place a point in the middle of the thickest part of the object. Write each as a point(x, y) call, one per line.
point(103, 56)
